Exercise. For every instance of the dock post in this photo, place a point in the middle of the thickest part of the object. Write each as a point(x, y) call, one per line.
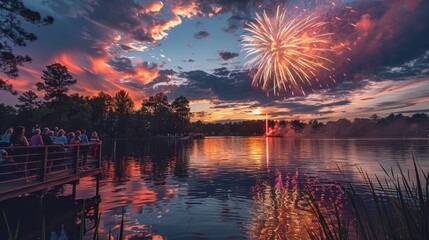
point(97, 186)
point(44, 165)
point(99, 155)
point(76, 170)
point(74, 191)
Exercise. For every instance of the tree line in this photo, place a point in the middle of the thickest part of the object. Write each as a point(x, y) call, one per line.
point(114, 116)
point(394, 125)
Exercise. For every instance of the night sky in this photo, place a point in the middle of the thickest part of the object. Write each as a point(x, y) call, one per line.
point(192, 48)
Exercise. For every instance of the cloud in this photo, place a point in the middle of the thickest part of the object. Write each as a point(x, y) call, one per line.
point(228, 55)
point(201, 35)
point(189, 60)
point(122, 64)
point(235, 23)
point(379, 45)
point(223, 71)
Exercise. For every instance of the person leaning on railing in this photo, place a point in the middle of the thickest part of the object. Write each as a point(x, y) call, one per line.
point(5, 139)
point(7, 165)
point(61, 138)
point(36, 139)
point(20, 155)
point(55, 152)
point(95, 139)
point(18, 138)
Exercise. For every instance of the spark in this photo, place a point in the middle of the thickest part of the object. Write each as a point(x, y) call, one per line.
point(284, 51)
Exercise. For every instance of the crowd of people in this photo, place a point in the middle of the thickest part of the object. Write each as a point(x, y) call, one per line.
point(17, 137)
point(40, 137)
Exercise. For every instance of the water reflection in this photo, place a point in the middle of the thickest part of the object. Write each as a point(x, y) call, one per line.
point(201, 189)
point(286, 211)
point(59, 217)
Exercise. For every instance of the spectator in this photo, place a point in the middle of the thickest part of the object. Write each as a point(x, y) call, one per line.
point(18, 137)
point(36, 139)
point(76, 139)
point(83, 137)
point(47, 140)
point(95, 148)
point(70, 137)
point(60, 138)
point(51, 135)
point(95, 138)
point(20, 155)
point(3, 156)
point(56, 131)
point(5, 139)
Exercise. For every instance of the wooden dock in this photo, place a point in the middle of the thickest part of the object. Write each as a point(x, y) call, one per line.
point(25, 170)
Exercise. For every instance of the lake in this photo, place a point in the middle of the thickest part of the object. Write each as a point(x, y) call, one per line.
point(205, 189)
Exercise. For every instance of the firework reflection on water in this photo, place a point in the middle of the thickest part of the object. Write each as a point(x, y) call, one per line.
point(284, 211)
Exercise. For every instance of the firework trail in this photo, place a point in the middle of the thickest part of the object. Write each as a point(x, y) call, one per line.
point(285, 52)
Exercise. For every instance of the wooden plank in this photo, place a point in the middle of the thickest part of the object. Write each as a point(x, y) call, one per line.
point(37, 186)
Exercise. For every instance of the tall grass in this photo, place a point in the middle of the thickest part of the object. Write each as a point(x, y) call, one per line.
point(14, 235)
point(397, 208)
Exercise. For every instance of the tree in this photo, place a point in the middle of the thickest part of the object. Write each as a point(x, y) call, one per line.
point(182, 114)
point(7, 117)
point(12, 34)
point(57, 81)
point(180, 107)
point(159, 113)
point(375, 118)
point(78, 113)
point(101, 104)
point(29, 101)
point(124, 107)
point(123, 103)
point(102, 107)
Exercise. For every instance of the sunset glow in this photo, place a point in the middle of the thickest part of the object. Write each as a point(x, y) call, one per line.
point(194, 48)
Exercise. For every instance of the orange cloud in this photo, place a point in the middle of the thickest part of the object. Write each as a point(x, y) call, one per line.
point(188, 10)
point(94, 74)
point(100, 66)
point(154, 7)
point(158, 31)
point(69, 60)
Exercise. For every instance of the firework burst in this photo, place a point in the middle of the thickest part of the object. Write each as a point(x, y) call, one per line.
point(285, 52)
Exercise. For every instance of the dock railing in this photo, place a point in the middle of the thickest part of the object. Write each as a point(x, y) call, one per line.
point(30, 168)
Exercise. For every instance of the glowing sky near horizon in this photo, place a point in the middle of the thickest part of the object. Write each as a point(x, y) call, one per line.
point(192, 48)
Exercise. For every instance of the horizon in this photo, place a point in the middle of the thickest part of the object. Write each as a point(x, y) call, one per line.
point(193, 49)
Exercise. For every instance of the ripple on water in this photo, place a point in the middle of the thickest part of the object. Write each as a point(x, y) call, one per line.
point(203, 189)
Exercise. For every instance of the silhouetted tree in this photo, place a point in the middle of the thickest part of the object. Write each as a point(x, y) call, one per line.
point(57, 81)
point(7, 117)
point(181, 114)
point(29, 101)
point(180, 107)
point(78, 112)
point(13, 34)
point(157, 111)
point(375, 117)
point(123, 103)
point(102, 108)
point(124, 107)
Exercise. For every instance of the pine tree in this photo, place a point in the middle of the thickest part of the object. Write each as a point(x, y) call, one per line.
point(57, 81)
point(29, 101)
point(12, 34)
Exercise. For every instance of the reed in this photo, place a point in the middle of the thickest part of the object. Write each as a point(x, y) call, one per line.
point(397, 208)
point(14, 235)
